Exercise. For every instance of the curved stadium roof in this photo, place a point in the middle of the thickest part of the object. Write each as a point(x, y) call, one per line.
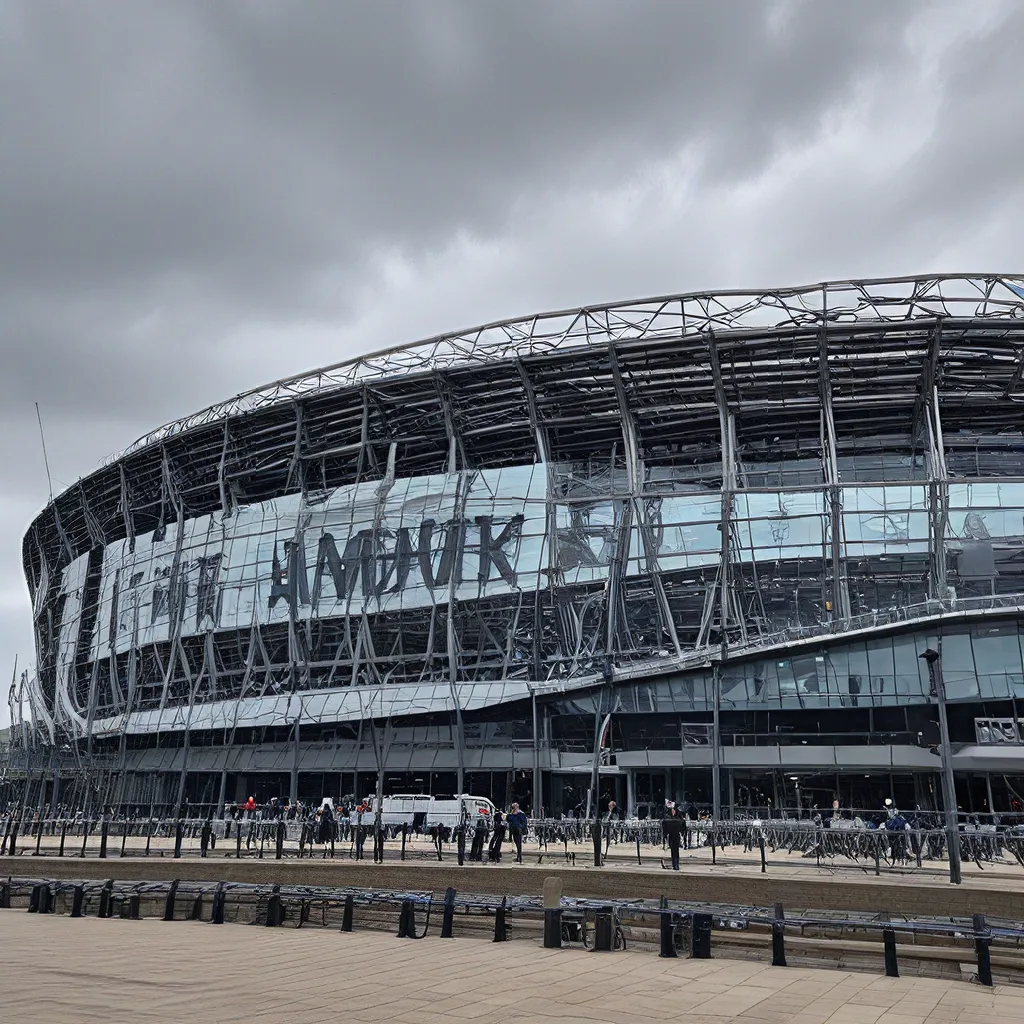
point(886, 300)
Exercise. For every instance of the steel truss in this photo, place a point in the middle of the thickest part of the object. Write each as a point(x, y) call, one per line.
point(774, 391)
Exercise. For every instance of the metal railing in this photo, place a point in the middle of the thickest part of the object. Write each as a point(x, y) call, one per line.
point(672, 926)
point(922, 843)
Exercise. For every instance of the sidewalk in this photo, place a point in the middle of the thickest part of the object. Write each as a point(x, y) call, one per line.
point(149, 972)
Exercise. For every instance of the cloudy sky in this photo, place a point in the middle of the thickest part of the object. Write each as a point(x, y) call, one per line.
point(196, 198)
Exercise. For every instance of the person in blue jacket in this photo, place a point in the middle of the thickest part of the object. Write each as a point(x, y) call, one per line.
point(517, 824)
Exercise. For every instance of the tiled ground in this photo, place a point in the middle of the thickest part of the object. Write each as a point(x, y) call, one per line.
point(54, 969)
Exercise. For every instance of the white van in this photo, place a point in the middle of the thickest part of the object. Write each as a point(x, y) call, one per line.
point(425, 811)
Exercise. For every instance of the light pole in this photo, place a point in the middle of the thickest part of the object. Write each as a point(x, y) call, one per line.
point(934, 661)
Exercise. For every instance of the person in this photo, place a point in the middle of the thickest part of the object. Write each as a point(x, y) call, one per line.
point(494, 850)
point(517, 824)
point(325, 831)
point(476, 851)
point(672, 827)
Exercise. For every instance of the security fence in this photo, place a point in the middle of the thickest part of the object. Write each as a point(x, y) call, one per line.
point(918, 846)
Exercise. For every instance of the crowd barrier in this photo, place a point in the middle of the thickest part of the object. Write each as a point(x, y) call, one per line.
point(601, 842)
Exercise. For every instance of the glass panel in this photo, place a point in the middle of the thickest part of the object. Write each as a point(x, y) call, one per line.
point(587, 534)
point(882, 669)
point(985, 535)
point(685, 530)
point(885, 520)
point(958, 672)
point(911, 671)
point(779, 525)
point(858, 679)
point(997, 659)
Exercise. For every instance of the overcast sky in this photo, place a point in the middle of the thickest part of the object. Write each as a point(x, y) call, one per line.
point(196, 198)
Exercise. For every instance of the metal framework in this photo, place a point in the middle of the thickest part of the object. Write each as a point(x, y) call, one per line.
point(673, 483)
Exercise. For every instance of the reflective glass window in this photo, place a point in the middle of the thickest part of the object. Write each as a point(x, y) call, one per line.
point(997, 659)
point(884, 520)
point(685, 529)
point(586, 537)
point(736, 685)
point(779, 525)
point(911, 671)
point(958, 671)
point(881, 668)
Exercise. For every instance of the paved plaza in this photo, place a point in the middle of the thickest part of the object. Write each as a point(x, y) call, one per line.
point(149, 972)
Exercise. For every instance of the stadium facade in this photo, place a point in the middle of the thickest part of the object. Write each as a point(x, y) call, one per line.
point(693, 545)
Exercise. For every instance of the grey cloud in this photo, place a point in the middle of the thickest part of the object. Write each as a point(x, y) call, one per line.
point(196, 197)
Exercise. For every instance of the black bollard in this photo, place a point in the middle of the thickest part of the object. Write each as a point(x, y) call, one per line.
point(63, 837)
point(274, 914)
point(638, 851)
point(47, 900)
point(604, 930)
point(39, 837)
point(553, 927)
point(714, 841)
point(179, 834)
point(279, 851)
point(461, 845)
point(217, 913)
point(104, 832)
point(407, 920)
point(5, 895)
point(346, 920)
point(134, 905)
point(404, 831)
point(449, 913)
point(892, 969)
point(500, 931)
point(124, 836)
point(668, 938)
point(149, 836)
point(204, 839)
point(172, 893)
point(779, 938)
point(106, 908)
point(764, 862)
point(595, 835)
point(77, 900)
point(33, 900)
point(982, 938)
point(700, 937)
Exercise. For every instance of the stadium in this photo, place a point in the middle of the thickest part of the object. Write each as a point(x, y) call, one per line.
point(752, 550)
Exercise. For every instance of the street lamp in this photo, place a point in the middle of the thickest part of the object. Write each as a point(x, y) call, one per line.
point(933, 659)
